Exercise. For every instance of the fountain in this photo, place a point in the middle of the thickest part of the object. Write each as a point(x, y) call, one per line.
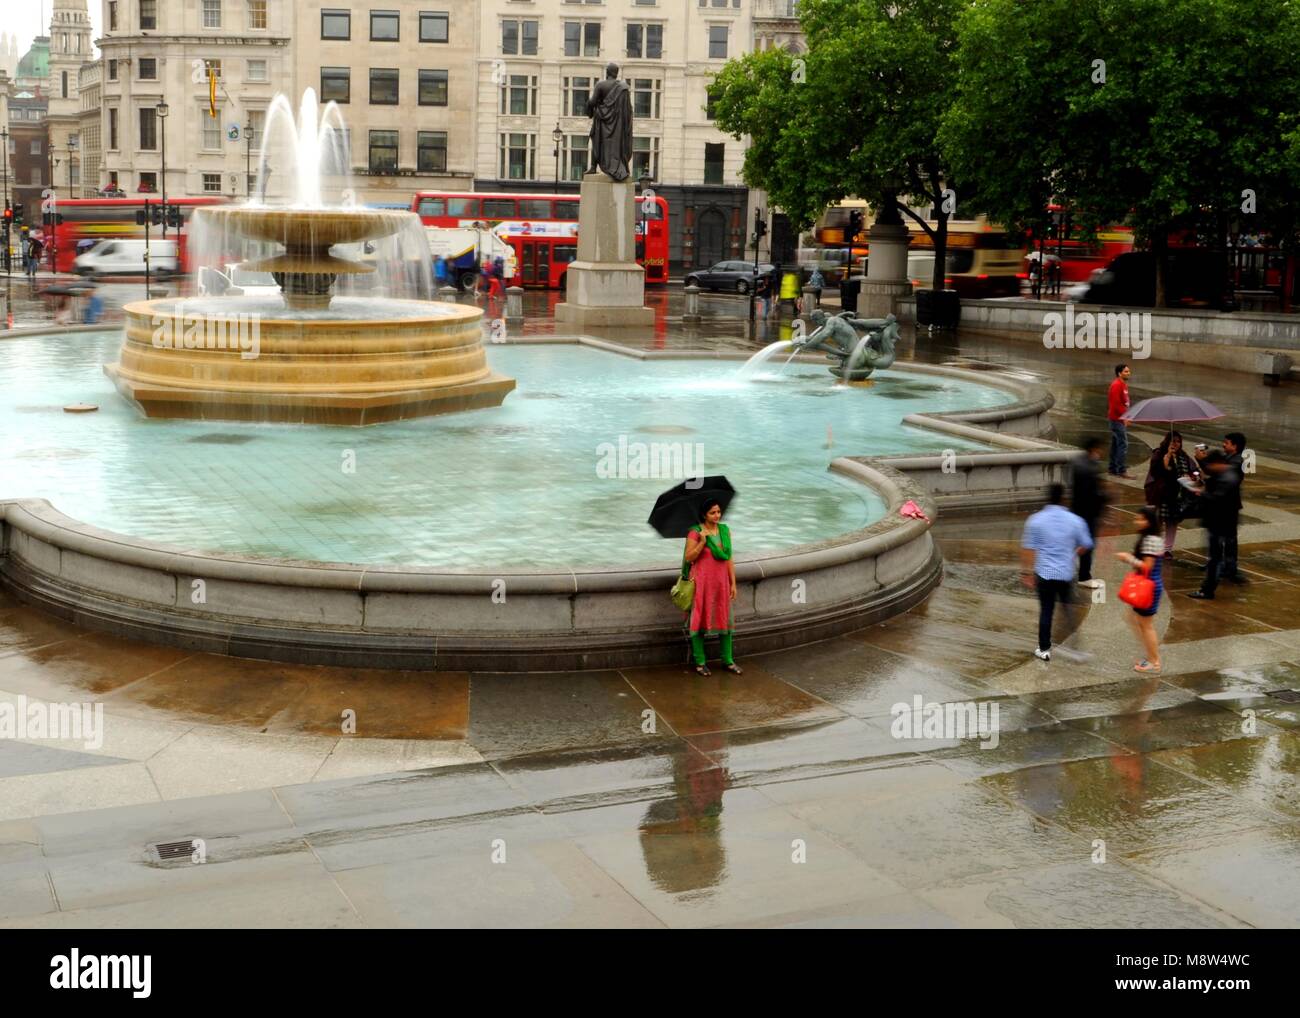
point(309, 355)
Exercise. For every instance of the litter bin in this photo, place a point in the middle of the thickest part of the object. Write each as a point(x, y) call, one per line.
point(849, 290)
point(940, 308)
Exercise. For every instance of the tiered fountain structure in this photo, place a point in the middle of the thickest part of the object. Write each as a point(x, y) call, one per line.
point(308, 355)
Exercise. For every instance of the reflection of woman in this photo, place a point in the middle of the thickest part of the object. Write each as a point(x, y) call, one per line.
point(708, 549)
point(1146, 556)
point(1168, 463)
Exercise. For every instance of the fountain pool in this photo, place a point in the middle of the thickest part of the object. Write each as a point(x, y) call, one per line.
point(523, 485)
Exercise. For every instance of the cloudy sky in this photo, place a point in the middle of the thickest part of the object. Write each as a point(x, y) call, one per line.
point(29, 18)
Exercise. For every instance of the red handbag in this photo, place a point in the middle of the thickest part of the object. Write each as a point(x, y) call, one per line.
point(1138, 589)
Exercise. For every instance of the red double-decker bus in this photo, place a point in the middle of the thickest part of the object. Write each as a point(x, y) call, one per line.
point(103, 218)
point(541, 228)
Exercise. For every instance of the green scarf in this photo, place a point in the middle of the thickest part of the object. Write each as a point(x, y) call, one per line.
point(721, 552)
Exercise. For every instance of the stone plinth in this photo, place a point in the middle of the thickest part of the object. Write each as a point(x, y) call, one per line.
point(605, 287)
point(886, 278)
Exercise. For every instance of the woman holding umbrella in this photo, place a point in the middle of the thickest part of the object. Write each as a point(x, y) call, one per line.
point(1168, 464)
point(708, 551)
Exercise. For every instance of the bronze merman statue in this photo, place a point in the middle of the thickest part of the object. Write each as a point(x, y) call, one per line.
point(857, 354)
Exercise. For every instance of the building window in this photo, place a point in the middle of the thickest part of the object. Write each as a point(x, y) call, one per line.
point(256, 14)
point(253, 124)
point(112, 15)
point(647, 3)
point(74, 173)
point(519, 97)
point(36, 147)
point(431, 151)
point(257, 70)
point(385, 26)
point(576, 157)
point(149, 183)
point(336, 84)
point(645, 158)
point(645, 41)
point(433, 88)
point(710, 104)
point(645, 97)
point(335, 24)
point(582, 38)
point(718, 41)
point(713, 159)
point(434, 26)
point(383, 86)
point(211, 130)
point(148, 68)
point(148, 129)
point(517, 156)
point(64, 84)
point(383, 151)
point(212, 183)
point(112, 70)
point(211, 13)
point(212, 68)
point(148, 15)
point(112, 128)
point(519, 38)
point(576, 93)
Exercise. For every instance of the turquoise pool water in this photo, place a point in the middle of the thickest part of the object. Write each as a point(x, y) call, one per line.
point(551, 478)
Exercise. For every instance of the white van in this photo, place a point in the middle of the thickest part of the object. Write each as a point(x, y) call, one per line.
point(125, 257)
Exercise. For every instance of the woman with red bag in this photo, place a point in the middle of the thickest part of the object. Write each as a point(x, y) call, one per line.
point(1147, 558)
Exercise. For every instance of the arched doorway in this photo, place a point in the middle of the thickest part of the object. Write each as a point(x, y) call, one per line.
point(710, 238)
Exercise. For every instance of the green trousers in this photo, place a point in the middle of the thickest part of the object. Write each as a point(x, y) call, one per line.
point(697, 648)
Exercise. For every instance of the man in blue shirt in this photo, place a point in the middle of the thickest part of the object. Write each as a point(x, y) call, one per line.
point(1052, 541)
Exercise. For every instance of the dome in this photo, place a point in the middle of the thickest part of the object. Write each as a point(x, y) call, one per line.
point(36, 62)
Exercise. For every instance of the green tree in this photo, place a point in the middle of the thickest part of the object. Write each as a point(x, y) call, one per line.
point(856, 115)
point(1168, 114)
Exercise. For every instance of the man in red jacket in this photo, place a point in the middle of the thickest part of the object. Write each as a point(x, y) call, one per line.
point(1117, 403)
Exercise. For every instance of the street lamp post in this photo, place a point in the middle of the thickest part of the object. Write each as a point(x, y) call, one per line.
point(161, 111)
point(4, 155)
point(557, 136)
point(248, 160)
point(53, 213)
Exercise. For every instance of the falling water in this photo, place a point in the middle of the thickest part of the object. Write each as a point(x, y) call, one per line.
point(306, 148)
point(750, 368)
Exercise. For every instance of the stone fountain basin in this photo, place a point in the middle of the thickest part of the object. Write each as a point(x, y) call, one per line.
point(308, 229)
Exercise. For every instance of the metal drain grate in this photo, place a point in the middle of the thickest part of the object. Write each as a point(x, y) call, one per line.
point(1285, 695)
point(169, 850)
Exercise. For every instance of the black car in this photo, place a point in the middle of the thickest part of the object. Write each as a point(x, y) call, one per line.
point(731, 277)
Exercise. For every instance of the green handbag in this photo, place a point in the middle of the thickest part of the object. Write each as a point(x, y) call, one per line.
point(683, 592)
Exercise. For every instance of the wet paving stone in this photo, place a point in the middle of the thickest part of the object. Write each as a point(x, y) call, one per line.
point(1187, 724)
point(384, 704)
point(1076, 895)
point(90, 663)
point(25, 629)
point(1252, 875)
point(968, 651)
point(1017, 750)
point(691, 704)
point(1273, 675)
point(1128, 697)
point(992, 579)
point(1203, 620)
point(516, 714)
point(991, 611)
point(867, 681)
point(1261, 770)
point(1129, 802)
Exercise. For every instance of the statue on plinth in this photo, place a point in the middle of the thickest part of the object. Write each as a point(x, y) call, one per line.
point(610, 109)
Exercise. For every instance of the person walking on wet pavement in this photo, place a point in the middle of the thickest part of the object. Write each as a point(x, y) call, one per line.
point(1234, 447)
point(1147, 556)
point(1088, 501)
point(1052, 540)
point(1117, 404)
point(1221, 501)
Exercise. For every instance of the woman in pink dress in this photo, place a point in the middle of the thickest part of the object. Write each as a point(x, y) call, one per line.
point(708, 551)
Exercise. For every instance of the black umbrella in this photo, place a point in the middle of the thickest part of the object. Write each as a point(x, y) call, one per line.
point(678, 508)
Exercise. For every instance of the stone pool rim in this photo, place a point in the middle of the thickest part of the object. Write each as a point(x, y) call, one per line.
point(430, 618)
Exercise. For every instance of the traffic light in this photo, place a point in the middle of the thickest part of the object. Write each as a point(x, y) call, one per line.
point(52, 218)
point(174, 216)
point(760, 226)
point(18, 213)
point(9, 214)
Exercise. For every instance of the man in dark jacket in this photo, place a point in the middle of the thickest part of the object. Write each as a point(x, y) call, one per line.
point(1088, 501)
point(1234, 447)
point(1221, 502)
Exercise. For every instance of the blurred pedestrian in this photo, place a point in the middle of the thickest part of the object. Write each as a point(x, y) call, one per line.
point(1163, 487)
point(1088, 501)
point(1147, 556)
point(1052, 541)
point(1221, 502)
point(763, 293)
point(1117, 404)
point(34, 249)
point(818, 282)
point(1234, 447)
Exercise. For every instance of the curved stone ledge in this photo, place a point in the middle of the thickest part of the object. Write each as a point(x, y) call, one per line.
point(419, 618)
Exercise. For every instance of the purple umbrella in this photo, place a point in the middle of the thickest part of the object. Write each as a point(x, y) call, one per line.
point(1167, 409)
